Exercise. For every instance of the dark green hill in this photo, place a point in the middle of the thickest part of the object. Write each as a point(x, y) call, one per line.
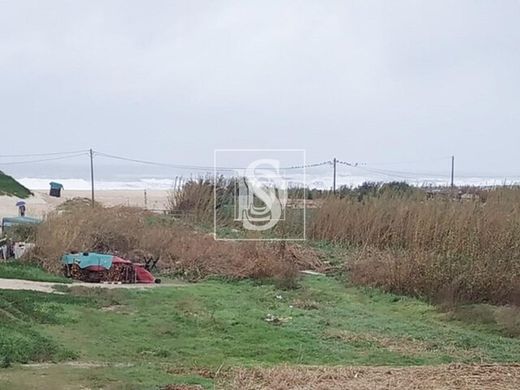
point(10, 187)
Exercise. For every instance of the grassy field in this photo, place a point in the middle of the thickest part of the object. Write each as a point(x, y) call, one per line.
point(17, 270)
point(194, 334)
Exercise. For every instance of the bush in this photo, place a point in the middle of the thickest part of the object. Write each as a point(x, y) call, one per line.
point(181, 250)
point(22, 232)
point(196, 199)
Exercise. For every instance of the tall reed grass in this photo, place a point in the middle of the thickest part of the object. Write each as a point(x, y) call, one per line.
point(205, 201)
point(465, 250)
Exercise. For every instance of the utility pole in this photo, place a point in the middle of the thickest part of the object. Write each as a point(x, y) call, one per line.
point(92, 174)
point(334, 177)
point(452, 171)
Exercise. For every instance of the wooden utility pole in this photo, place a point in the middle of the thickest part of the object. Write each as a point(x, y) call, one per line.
point(452, 171)
point(334, 177)
point(92, 174)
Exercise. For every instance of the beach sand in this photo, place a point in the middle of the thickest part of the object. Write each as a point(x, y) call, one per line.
point(41, 203)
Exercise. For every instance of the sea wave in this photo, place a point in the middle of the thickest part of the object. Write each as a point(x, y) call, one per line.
point(311, 181)
point(81, 184)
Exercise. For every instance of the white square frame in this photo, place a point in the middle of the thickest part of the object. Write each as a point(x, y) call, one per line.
point(304, 167)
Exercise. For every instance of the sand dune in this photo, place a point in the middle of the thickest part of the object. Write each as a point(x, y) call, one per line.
point(41, 203)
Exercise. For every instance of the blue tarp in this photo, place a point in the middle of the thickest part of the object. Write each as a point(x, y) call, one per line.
point(85, 260)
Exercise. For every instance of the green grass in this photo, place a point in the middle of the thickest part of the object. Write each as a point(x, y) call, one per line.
point(22, 270)
point(10, 187)
point(170, 334)
point(20, 314)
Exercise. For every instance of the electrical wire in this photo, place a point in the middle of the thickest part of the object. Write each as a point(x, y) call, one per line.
point(179, 166)
point(199, 167)
point(386, 174)
point(406, 173)
point(314, 165)
point(354, 165)
point(391, 173)
point(41, 154)
point(41, 160)
point(362, 166)
point(408, 162)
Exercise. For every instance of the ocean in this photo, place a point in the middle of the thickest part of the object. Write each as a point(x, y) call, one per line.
point(140, 177)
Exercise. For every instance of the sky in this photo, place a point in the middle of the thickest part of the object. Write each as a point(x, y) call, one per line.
point(379, 82)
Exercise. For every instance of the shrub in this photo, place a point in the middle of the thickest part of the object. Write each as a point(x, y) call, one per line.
point(180, 249)
point(195, 199)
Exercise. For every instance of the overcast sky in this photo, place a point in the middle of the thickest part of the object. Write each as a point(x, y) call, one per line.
point(376, 81)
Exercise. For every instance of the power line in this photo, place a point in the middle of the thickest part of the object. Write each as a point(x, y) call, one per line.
point(41, 154)
point(200, 167)
point(391, 173)
point(67, 155)
point(41, 160)
point(407, 162)
point(354, 165)
point(403, 173)
point(180, 166)
point(314, 165)
point(388, 174)
point(73, 154)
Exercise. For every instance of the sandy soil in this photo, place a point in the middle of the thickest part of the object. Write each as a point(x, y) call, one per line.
point(454, 376)
point(41, 203)
point(49, 287)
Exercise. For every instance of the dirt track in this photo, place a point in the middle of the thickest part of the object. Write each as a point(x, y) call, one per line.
point(454, 376)
point(48, 287)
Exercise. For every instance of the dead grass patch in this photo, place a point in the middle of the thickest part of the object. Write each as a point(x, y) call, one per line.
point(456, 376)
point(402, 345)
point(305, 304)
point(506, 318)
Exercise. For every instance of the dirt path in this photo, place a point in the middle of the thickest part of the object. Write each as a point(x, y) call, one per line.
point(49, 287)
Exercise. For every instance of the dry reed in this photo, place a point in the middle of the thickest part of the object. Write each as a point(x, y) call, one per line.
point(440, 248)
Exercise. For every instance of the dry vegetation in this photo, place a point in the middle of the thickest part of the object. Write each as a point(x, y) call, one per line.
point(454, 376)
point(445, 249)
point(195, 200)
point(134, 234)
point(401, 240)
